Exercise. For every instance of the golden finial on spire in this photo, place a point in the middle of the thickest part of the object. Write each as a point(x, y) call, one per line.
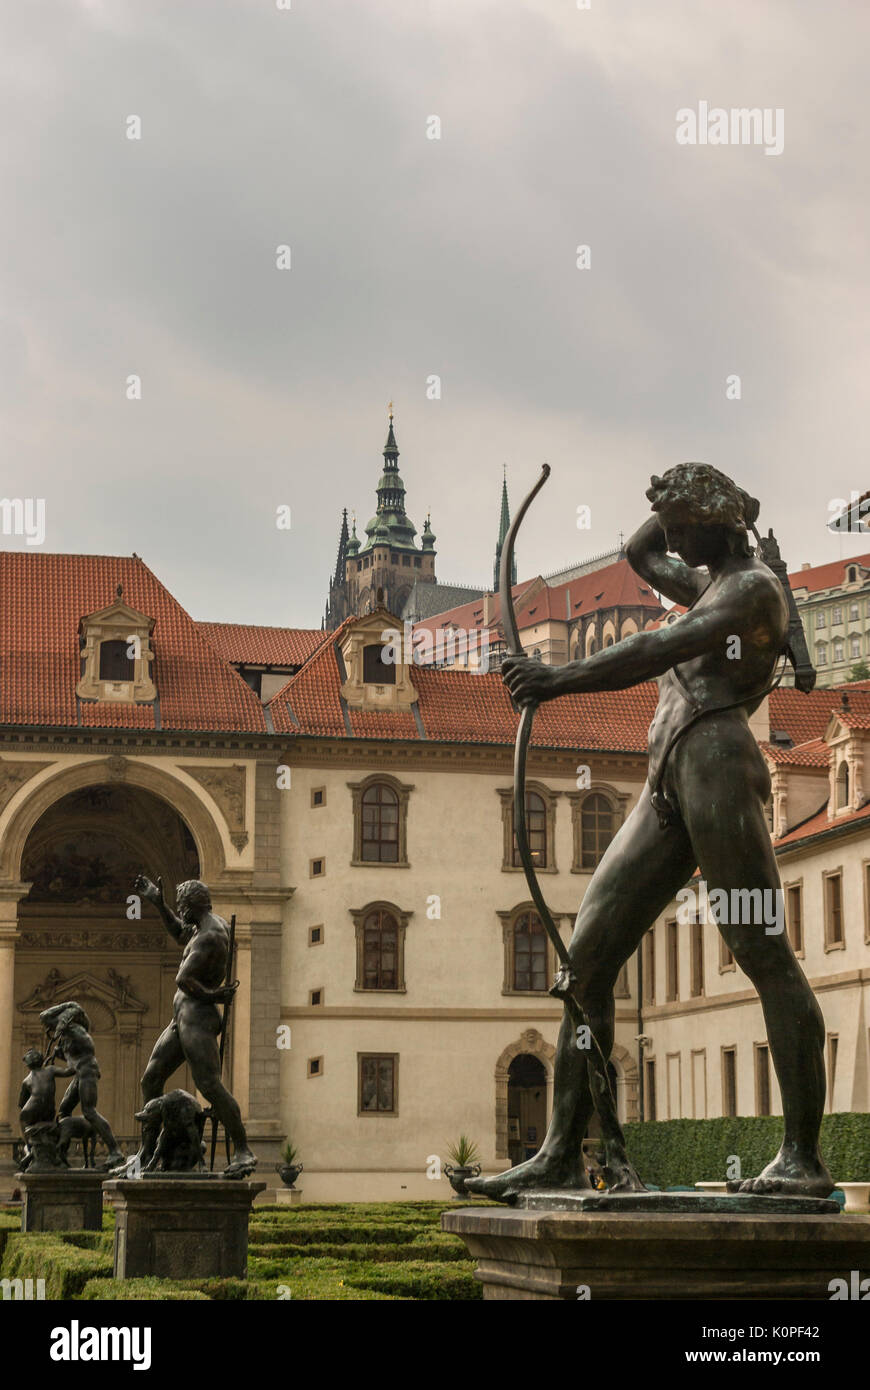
point(391, 410)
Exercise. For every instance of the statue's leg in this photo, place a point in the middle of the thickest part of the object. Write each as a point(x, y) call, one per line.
point(641, 871)
point(167, 1056)
point(723, 784)
point(70, 1099)
point(196, 1030)
point(100, 1125)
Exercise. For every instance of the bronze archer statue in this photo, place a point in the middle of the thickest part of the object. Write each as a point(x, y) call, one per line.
point(703, 806)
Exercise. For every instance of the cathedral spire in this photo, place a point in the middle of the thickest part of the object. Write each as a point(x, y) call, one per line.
point(503, 528)
point(342, 549)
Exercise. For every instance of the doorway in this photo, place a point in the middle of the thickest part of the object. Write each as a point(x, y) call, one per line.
point(527, 1107)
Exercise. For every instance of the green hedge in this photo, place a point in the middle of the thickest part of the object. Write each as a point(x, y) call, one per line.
point(679, 1153)
point(65, 1268)
point(145, 1290)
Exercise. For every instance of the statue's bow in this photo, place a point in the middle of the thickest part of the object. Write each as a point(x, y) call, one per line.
point(565, 987)
point(524, 732)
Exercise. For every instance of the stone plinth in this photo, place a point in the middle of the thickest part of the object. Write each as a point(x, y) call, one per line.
point(66, 1199)
point(643, 1254)
point(183, 1227)
point(288, 1196)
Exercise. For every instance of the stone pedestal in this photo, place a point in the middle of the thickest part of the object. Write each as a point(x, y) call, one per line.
point(66, 1199)
point(684, 1252)
point(288, 1196)
point(182, 1227)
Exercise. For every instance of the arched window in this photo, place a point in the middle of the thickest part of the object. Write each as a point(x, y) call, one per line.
point(842, 785)
point(608, 641)
point(529, 953)
point(380, 951)
point(380, 825)
point(536, 826)
point(115, 664)
point(597, 827)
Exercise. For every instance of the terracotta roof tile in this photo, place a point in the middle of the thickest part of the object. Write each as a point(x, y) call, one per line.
point(42, 599)
point(816, 753)
point(818, 823)
point(246, 644)
point(830, 576)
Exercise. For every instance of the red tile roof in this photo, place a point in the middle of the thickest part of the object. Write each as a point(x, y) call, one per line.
point(816, 753)
point(613, 586)
point(819, 822)
point(246, 644)
point(805, 717)
point(42, 600)
point(830, 576)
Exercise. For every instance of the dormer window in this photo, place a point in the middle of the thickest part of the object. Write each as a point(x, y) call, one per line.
point(116, 655)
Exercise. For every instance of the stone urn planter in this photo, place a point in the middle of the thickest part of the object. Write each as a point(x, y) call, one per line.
point(458, 1175)
point(857, 1195)
point(288, 1172)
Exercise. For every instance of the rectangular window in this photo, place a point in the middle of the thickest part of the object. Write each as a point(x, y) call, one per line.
point(315, 997)
point(315, 1066)
point(649, 967)
point(820, 619)
point(318, 796)
point(729, 1081)
point(762, 1079)
point(672, 990)
point(699, 1084)
point(726, 958)
point(697, 939)
point(378, 1083)
point(316, 868)
point(315, 936)
point(794, 916)
point(834, 938)
point(867, 901)
point(833, 1043)
point(650, 1087)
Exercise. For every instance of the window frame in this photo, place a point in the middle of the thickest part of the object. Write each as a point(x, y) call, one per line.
point(360, 916)
point(549, 798)
point(618, 802)
point(827, 876)
point(377, 1057)
point(402, 791)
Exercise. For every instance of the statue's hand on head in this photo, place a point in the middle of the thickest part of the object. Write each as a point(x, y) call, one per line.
point(151, 892)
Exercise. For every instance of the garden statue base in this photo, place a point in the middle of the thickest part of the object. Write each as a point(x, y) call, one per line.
point(569, 1246)
point(181, 1227)
point(288, 1196)
point(65, 1199)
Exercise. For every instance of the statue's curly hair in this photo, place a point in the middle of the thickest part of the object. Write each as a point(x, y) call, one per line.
point(196, 892)
point(698, 494)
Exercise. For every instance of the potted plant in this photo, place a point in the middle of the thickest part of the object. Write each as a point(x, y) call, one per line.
point(464, 1156)
point(288, 1169)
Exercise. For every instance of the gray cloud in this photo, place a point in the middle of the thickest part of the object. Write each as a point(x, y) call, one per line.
point(413, 257)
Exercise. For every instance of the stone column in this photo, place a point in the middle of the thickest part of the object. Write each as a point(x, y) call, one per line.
point(10, 896)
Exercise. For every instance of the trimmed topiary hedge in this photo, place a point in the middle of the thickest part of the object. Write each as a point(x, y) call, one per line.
point(675, 1153)
point(65, 1268)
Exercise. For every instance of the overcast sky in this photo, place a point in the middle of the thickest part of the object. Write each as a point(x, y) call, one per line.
point(414, 257)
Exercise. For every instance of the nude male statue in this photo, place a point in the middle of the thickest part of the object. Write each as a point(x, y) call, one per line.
point(36, 1099)
point(703, 806)
point(192, 1035)
point(69, 1028)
